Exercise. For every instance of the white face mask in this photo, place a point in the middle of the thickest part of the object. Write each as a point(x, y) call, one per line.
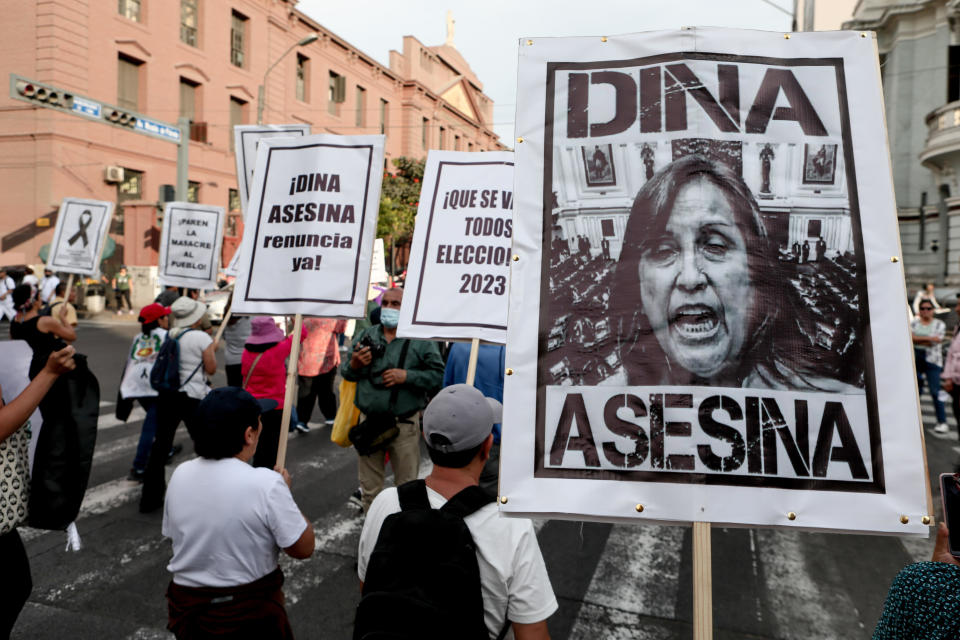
point(390, 318)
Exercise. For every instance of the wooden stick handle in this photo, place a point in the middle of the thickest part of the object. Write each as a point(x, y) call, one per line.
point(291, 390)
point(223, 323)
point(472, 363)
point(66, 292)
point(702, 582)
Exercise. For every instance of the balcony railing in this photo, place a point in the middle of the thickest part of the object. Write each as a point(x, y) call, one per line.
point(943, 132)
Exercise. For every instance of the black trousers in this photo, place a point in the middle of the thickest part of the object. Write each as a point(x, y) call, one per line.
point(123, 295)
point(266, 455)
point(317, 389)
point(234, 375)
point(16, 584)
point(172, 409)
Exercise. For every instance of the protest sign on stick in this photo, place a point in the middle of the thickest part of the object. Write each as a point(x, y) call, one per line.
point(700, 326)
point(457, 278)
point(308, 238)
point(79, 236)
point(190, 245)
point(246, 139)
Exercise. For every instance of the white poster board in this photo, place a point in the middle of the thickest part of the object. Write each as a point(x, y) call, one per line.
point(14, 378)
point(190, 245)
point(378, 266)
point(245, 141)
point(79, 236)
point(703, 317)
point(459, 269)
point(308, 239)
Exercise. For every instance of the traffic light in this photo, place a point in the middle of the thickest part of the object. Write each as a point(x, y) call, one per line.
point(49, 96)
point(120, 117)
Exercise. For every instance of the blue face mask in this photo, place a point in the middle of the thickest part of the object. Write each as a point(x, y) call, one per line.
point(390, 318)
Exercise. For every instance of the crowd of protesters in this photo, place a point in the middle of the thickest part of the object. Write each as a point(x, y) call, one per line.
point(229, 512)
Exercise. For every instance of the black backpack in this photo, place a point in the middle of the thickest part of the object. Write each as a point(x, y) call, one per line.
point(423, 580)
point(165, 374)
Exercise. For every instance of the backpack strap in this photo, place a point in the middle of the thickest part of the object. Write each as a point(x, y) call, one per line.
point(413, 495)
point(395, 392)
point(250, 371)
point(467, 501)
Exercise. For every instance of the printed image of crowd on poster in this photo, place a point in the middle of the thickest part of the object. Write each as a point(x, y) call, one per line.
point(703, 252)
point(79, 236)
point(190, 245)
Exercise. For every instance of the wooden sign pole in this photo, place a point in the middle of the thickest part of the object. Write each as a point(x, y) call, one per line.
point(702, 582)
point(66, 292)
point(472, 363)
point(289, 393)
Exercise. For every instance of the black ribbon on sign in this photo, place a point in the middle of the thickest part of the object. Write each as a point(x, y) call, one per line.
point(81, 234)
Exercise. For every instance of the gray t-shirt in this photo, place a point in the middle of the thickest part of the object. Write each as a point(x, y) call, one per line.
point(234, 337)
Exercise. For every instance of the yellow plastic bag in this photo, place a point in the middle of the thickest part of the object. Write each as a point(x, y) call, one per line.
point(347, 414)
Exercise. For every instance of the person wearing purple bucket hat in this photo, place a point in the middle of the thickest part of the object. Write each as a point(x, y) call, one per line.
point(264, 376)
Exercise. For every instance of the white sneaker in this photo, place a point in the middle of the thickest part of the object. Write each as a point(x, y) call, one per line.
point(941, 428)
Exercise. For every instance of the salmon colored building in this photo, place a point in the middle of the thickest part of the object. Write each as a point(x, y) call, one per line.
point(204, 60)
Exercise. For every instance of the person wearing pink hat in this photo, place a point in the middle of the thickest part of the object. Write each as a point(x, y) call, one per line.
point(264, 371)
point(135, 381)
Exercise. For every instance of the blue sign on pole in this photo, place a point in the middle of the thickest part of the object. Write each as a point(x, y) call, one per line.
point(86, 107)
point(158, 129)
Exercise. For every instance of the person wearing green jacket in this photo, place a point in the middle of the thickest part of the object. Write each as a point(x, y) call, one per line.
point(393, 375)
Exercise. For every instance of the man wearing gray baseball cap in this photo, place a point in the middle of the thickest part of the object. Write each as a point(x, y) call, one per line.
point(514, 585)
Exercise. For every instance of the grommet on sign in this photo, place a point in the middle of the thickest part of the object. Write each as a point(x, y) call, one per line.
point(503, 499)
point(520, 139)
point(786, 36)
point(639, 508)
point(894, 259)
point(529, 43)
point(516, 258)
point(925, 519)
point(863, 35)
point(791, 516)
point(904, 519)
point(509, 371)
point(603, 39)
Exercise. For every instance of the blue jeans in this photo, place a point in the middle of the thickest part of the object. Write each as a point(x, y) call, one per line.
point(932, 372)
point(147, 433)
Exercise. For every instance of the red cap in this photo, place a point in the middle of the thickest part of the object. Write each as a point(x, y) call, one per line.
point(153, 311)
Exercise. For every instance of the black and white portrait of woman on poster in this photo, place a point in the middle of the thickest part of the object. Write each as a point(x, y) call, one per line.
point(707, 307)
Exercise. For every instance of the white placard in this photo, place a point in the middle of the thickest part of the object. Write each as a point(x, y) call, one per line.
point(79, 236)
point(308, 240)
point(459, 269)
point(245, 141)
point(378, 266)
point(14, 378)
point(190, 245)
point(705, 318)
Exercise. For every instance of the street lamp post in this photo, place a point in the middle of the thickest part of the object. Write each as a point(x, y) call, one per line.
point(261, 97)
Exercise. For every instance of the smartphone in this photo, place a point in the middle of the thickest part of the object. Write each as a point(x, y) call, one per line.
point(950, 492)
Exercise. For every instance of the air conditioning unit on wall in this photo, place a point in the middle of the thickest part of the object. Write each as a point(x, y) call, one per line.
point(112, 173)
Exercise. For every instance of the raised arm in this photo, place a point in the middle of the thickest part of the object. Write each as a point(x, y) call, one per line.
point(13, 415)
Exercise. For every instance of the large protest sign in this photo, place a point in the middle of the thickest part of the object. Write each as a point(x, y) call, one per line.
point(705, 320)
point(190, 245)
point(308, 240)
point(246, 138)
point(458, 272)
point(79, 236)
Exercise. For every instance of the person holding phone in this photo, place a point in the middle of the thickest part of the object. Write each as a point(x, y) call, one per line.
point(924, 599)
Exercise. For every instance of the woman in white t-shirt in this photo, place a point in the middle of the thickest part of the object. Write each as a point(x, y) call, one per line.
point(927, 333)
point(197, 358)
point(135, 384)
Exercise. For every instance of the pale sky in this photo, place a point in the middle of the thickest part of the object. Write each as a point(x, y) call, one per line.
point(487, 31)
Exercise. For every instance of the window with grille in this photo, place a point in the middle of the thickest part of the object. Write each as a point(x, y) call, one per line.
point(238, 110)
point(132, 186)
point(303, 78)
point(129, 9)
point(189, 21)
point(238, 39)
point(384, 106)
point(193, 192)
point(361, 106)
point(233, 201)
point(337, 93)
point(423, 132)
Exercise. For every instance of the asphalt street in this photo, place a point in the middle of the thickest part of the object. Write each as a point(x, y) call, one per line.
point(623, 582)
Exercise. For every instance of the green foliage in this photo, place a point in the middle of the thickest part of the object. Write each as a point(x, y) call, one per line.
point(399, 198)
